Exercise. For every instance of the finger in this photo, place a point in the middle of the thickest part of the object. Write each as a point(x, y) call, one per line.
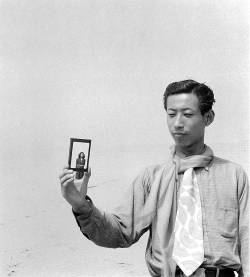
point(65, 171)
point(65, 184)
point(86, 176)
point(88, 173)
point(67, 177)
point(65, 167)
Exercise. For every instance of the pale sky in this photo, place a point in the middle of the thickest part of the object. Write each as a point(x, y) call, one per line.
point(98, 70)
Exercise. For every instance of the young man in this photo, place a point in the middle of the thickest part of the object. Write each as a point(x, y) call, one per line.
point(195, 206)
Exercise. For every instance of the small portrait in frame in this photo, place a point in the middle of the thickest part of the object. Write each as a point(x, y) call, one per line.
point(79, 154)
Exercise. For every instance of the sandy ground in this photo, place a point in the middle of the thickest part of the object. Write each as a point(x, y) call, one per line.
point(39, 236)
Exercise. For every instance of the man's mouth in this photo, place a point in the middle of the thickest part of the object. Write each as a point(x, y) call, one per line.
point(179, 134)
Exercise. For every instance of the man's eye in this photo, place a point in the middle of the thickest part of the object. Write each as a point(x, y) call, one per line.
point(171, 114)
point(188, 114)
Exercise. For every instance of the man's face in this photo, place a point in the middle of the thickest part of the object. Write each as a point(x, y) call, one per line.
point(185, 122)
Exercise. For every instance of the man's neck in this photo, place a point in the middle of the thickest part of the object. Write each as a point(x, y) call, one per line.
point(183, 152)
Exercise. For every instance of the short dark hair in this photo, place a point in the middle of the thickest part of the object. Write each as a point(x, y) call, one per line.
point(202, 91)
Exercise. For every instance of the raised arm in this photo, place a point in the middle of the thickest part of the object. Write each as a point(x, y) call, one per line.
point(119, 229)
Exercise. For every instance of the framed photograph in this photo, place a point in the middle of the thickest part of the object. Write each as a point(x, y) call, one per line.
point(79, 154)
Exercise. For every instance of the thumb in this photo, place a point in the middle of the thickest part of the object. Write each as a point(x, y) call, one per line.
point(86, 177)
point(85, 180)
point(88, 173)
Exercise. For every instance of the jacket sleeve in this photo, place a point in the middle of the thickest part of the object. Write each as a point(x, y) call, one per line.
point(123, 227)
point(244, 207)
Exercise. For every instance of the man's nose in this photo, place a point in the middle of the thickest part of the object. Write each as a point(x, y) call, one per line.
point(178, 123)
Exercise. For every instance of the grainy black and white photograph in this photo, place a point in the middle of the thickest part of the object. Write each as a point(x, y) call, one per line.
point(79, 154)
point(161, 88)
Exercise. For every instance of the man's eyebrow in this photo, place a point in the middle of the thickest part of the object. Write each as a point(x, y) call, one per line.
point(184, 109)
point(190, 109)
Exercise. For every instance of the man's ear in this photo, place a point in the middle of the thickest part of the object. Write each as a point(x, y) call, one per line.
point(209, 117)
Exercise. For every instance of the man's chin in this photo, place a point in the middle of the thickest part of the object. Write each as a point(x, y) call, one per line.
point(181, 142)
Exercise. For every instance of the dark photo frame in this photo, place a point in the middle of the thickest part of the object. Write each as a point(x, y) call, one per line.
point(76, 148)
